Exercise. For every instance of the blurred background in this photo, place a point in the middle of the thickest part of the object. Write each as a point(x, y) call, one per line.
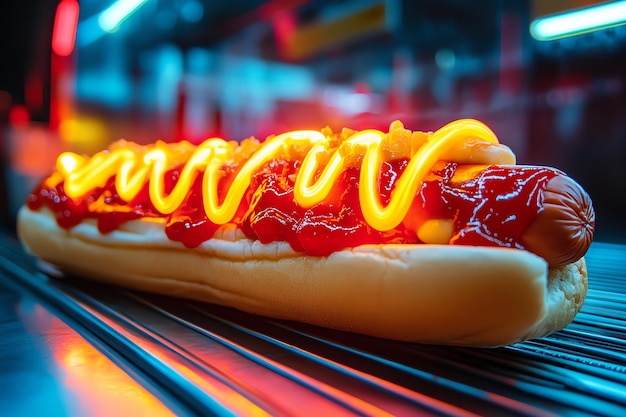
point(548, 76)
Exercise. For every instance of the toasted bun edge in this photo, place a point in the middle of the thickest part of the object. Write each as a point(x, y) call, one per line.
point(436, 294)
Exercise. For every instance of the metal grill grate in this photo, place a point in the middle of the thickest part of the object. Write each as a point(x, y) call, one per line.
point(218, 360)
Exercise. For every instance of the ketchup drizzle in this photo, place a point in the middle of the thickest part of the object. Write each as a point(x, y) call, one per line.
point(491, 209)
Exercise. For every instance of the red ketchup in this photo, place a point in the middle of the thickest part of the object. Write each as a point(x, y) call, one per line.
point(496, 207)
point(492, 209)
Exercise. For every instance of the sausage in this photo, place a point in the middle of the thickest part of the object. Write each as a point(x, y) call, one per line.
point(563, 229)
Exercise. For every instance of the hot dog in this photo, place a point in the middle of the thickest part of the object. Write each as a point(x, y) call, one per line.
point(429, 237)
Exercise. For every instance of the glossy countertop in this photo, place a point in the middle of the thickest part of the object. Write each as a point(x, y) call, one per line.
point(71, 347)
point(50, 366)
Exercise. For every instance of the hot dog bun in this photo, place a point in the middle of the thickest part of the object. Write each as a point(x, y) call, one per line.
point(437, 294)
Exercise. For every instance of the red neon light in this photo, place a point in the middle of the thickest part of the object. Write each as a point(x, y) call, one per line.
point(18, 115)
point(65, 23)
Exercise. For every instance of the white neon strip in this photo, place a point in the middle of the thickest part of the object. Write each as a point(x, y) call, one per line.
point(579, 21)
point(111, 18)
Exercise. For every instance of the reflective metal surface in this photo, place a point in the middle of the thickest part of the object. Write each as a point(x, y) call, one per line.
point(50, 366)
point(72, 340)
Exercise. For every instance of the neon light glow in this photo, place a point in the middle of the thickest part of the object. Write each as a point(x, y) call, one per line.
point(89, 31)
point(579, 21)
point(111, 18)
point(65, 23)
